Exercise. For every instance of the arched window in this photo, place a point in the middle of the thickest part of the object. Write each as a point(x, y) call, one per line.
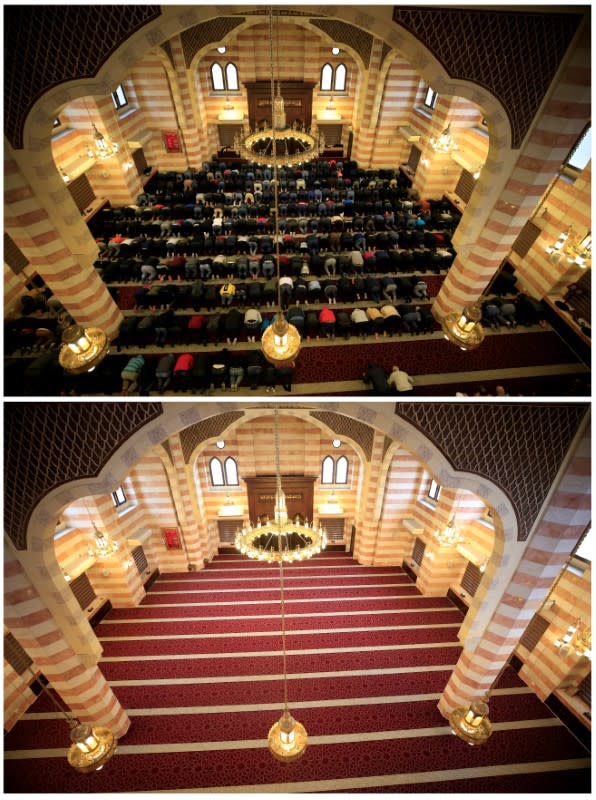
point(216, 472)
point(326, 77)
point(341, 470)
point(231, 77)
point(334, 471)
point(231, 470)
point(340, 78)
point(224, 81)
point(217, 78)
point(328, 470)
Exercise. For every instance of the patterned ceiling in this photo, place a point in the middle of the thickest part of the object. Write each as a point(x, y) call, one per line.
point(513, 54)
point(519, 447)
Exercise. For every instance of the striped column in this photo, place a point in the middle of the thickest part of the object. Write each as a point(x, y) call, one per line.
point(195, 535)
point(188, 110)
point(563, 520)
point(368, 518)
point(519, 179)
point(82, 688)
point(41, 217)
point(369, 108)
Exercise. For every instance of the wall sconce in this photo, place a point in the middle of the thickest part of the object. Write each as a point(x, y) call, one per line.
point(65, 177)
point(577, 640)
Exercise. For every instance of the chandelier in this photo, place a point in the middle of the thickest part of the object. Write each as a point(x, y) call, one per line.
point(445, 143)
point(280, 539)
point(82, 349)
point(577, 251)
point(576, 640)
point(91, 747)
point(464, 329)
point(279, 145)
point(449, 536)
point(104, 546)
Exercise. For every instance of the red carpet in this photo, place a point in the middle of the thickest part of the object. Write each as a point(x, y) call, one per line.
point(202, 684)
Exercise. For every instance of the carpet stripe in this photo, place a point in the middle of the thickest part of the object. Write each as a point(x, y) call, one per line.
point(400, 779)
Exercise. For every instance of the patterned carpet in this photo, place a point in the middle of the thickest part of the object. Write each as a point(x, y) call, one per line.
point(198, 667)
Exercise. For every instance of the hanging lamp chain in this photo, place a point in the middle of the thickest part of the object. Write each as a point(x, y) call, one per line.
point(281, 563)
point(72, 721)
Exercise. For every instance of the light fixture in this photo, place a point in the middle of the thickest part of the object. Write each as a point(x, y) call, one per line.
point(92, 747)
point(335, 51)
point(330, 111)
point(336, 443)
point(472, 724)
point(229, 112)
point(445, 143)
point(101, 147)
point(220, 444)
point(577, 640)
point(221, 49)
point(464, 329)
point(104, 546)
point(577, 251)
point(280, 539)
point(82, 349)
point(449, 536)
point(279, 145)
point(65, 177)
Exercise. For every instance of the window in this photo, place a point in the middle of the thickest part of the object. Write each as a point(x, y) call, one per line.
point(582, 151)
point(226, 475)
point(434, 490)
point(118, 497)
point(333, 79)
point(224, 81)
point(430, 101)
point(119, 97)
point(334, 471)
point(56, 123)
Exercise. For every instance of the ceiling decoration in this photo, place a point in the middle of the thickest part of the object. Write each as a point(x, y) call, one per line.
point(199, 36)
point(343, 33)
point(209, 428)
point(39, 52)
point(348, 428)
point(47, 445)
point(520, 447)
point(513, 54)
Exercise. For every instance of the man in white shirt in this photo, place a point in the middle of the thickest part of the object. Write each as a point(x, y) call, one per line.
point(401, 380)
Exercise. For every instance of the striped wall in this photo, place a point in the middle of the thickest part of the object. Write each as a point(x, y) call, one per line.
point(564, 519)
point(523, 180)
point(14, 289)
point(399, 93)
point(394, 543)
point(81, 687)
point(566, 203)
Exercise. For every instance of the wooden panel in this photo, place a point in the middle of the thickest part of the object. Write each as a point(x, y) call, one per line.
point(534, 632)
point(81, 192)
point(297, 97)
point(83, 591)
point(414, 158)
point(140, 558)
point(298, 490)
point(471, 579)
point(465, 185)
point(138, 156)
point(227, 133)
point(332, 133)
point(227, 530)
point(334, 528)
point(16, 656)
point(584, 690)
point(13, 255)
point(418, 552)
point(525, 240)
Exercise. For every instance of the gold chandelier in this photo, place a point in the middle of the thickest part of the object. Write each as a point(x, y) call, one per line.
point(449, 536)
point(471, 724)
point(464, 328)
point(101, 147)
point(577, 640)
point(91, 747)
point(280, 539)
point(279, 145)
point(82, 349)
point(104, 546)
point(445, 143)
point(577, 251)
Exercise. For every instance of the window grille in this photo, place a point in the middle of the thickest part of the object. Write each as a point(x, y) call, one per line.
point(140, 559)
point(81, 192)
point(525, 240)
point(13, 255)
point(334, 528)
point(414, 158)
point(584, 690)
point(471, 579)
point(465, 185)
point(227, 530)
point(140, 160)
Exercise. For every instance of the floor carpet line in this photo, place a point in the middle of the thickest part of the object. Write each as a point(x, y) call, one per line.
point(302, 601)
point(205, 576)
point(310, 615)
point(336, 674)
point(242, 590)
point(253, 744)
point(252, 634)
point(253, 654)
point(398, 779)
point(237, 709)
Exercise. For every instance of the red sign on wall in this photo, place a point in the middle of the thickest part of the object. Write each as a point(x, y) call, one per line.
point(171, 538)
point(171, 142)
